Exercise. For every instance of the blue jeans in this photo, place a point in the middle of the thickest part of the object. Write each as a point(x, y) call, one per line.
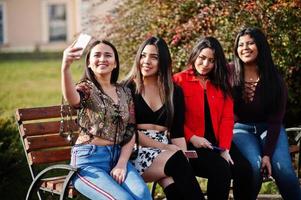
point(249, 139)
point(93, 178)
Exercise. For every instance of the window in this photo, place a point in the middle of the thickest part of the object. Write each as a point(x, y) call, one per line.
point(1, 24)
point(57, 22)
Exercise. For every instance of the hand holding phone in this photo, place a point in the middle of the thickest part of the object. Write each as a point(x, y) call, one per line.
point(191, 154)
point(82, 42)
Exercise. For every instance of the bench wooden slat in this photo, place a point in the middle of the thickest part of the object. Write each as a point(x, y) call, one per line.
point(51, 156)
point(24, 114)
point(55, 184)
point(41, 128)
point(294, 149)
point(44, 142)
point(50, 182)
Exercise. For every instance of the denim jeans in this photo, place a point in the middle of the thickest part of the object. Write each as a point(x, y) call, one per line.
point(93, 178)
point(249, 139)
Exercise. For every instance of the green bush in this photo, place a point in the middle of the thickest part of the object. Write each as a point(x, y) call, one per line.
point(13, 168)
point(181, 23)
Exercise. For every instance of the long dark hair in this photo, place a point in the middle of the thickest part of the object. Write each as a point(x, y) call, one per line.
point(219, 74)
point(165, 82)
point(89, 74)
point(268, 73)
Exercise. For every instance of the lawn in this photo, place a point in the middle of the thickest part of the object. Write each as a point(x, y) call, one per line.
point(28, 83)
point(23, 83)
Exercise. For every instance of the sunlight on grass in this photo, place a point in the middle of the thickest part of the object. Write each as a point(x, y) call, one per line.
point(29, 83)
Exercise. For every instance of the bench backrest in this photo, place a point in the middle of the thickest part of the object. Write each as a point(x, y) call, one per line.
point(39, 132)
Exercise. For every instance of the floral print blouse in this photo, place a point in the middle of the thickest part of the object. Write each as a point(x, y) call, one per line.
point(98, 115)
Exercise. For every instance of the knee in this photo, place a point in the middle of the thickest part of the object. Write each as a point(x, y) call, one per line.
point(252, 166)
point(142, 192)
point(284, 170)
point(222, 170)
point(176, 163)
point(244, 167)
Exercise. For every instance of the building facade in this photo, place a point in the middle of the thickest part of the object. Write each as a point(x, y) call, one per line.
point(43, 25)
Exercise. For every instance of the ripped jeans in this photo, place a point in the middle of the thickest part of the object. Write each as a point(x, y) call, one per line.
point(249, 139)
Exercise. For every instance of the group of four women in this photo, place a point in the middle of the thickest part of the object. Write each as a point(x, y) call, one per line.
point(168, 115)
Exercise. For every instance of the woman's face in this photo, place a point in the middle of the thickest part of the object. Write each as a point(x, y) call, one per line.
point(149, 61)
point(204, 63)
point(102, 59)
point(247, 50)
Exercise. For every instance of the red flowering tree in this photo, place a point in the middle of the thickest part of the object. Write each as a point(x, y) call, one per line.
point(182, 22)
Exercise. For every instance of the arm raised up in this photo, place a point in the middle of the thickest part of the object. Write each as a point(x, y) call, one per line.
point(68, 87)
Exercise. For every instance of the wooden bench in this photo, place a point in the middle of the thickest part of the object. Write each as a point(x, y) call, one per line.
point(294, 136)
point(47, 153)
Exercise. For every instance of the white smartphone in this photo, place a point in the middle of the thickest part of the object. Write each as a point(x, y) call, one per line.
point(82, 41)
point(191, 154)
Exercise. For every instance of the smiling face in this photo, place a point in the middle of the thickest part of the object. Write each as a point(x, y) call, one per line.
point(102, 59)
point(247, 50)
point(149, 61)
point(204, 63)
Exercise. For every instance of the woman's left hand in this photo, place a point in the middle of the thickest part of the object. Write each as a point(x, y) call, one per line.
point(226, 155)
point(118, 173)
point(266, 165)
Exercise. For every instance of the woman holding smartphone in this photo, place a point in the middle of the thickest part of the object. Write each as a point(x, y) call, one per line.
point(208, 115)
point(105, 115)
point(160, 117)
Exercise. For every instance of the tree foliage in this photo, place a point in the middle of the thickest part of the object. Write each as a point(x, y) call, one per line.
point(182, 22)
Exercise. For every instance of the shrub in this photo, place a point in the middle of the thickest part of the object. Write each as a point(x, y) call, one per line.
point(14, 173)
point(181, 23)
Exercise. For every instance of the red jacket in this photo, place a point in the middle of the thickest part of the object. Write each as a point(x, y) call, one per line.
point(221, 109)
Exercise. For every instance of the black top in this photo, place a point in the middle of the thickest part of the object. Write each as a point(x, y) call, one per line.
point(145, 115)
point(209, 133)
point(255, 112)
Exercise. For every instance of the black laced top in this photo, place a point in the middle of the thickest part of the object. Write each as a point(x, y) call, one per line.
point(249, 108)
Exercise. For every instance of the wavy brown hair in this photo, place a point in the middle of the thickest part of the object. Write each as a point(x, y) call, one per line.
point(219, 75)
point(165, 82)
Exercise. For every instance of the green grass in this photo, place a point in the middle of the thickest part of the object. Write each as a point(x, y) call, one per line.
point(24, 83)
point(31, 83)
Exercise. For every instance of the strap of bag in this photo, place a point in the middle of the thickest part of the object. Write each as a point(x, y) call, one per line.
point(66, 120)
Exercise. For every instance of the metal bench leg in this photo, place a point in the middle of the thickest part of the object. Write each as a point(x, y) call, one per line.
point(299, 161)
point(66, 183)
point(33, 187)
point(153, 189)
